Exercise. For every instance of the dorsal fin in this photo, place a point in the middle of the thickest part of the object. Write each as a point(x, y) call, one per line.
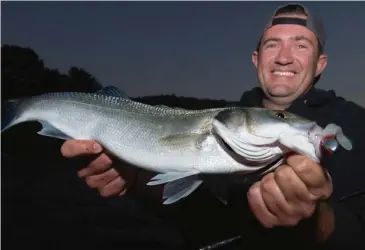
point(113, 91)
point(164, 106)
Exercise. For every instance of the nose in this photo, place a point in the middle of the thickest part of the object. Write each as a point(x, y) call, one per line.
point(284, 56)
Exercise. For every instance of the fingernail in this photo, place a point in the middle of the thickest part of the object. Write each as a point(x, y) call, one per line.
point(97, 148)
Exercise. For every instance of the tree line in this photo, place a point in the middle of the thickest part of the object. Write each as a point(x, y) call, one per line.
point(25, 74)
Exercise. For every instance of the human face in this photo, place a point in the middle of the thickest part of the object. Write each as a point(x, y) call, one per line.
point(287, 62)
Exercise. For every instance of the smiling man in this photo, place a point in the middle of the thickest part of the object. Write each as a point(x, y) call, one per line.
point(300, 202)
point(289, 60)
point(289, 56)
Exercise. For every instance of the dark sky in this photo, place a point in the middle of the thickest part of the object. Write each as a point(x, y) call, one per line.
point(200, 49)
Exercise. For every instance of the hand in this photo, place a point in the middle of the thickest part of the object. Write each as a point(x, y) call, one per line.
point(290, 194)
point(100, 173)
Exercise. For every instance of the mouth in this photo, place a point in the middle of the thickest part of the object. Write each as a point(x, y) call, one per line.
point(289, 73)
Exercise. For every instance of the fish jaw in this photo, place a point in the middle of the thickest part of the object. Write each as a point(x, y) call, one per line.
point(327, 140)
point(313, 141)
point(301, 137)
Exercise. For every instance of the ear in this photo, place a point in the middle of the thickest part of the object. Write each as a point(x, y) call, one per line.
point(321, 64)
point(255, 58)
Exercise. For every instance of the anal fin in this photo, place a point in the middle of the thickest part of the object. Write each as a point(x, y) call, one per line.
point(51, 131)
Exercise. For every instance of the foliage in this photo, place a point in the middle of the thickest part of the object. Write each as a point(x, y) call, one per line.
point(24, 74)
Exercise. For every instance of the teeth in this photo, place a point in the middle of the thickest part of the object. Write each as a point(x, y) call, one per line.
point(283, 73)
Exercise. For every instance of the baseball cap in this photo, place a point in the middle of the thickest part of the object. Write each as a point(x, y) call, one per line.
point(311, 22)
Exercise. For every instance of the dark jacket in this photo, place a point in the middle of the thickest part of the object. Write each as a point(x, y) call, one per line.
point(347, 169)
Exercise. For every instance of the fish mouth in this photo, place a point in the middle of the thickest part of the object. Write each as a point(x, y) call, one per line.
point(327, 140)
point(329, 144)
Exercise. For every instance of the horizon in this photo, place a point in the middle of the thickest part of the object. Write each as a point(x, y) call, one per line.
point(189, 49)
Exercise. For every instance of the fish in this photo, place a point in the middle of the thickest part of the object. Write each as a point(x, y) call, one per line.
point(179, 145)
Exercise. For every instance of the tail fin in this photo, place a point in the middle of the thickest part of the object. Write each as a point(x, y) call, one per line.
point(8, 113)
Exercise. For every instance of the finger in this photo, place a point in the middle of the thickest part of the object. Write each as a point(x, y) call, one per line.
point(286, 213)
point(308, 171)
point(326, 189)
point(101, 164)
point(115, 187)
point(312, 174)
point(296, 193)
point(101, 180)
point(72, 148)
point(259, 208)
point(292, 187)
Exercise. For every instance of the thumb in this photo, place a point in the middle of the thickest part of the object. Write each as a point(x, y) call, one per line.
point(72, 148)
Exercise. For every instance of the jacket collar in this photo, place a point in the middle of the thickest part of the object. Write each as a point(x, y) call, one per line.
point(313, 98)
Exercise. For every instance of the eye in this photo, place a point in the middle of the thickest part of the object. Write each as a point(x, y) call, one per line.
point(271, 45)
point(301, 46)
point(281, 114)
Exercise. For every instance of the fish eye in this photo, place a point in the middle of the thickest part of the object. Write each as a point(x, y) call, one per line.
point(281, 114)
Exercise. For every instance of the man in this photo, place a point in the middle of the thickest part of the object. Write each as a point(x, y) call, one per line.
point(301, 201)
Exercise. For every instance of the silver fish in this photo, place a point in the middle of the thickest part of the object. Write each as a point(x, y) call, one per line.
point(176, 143)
